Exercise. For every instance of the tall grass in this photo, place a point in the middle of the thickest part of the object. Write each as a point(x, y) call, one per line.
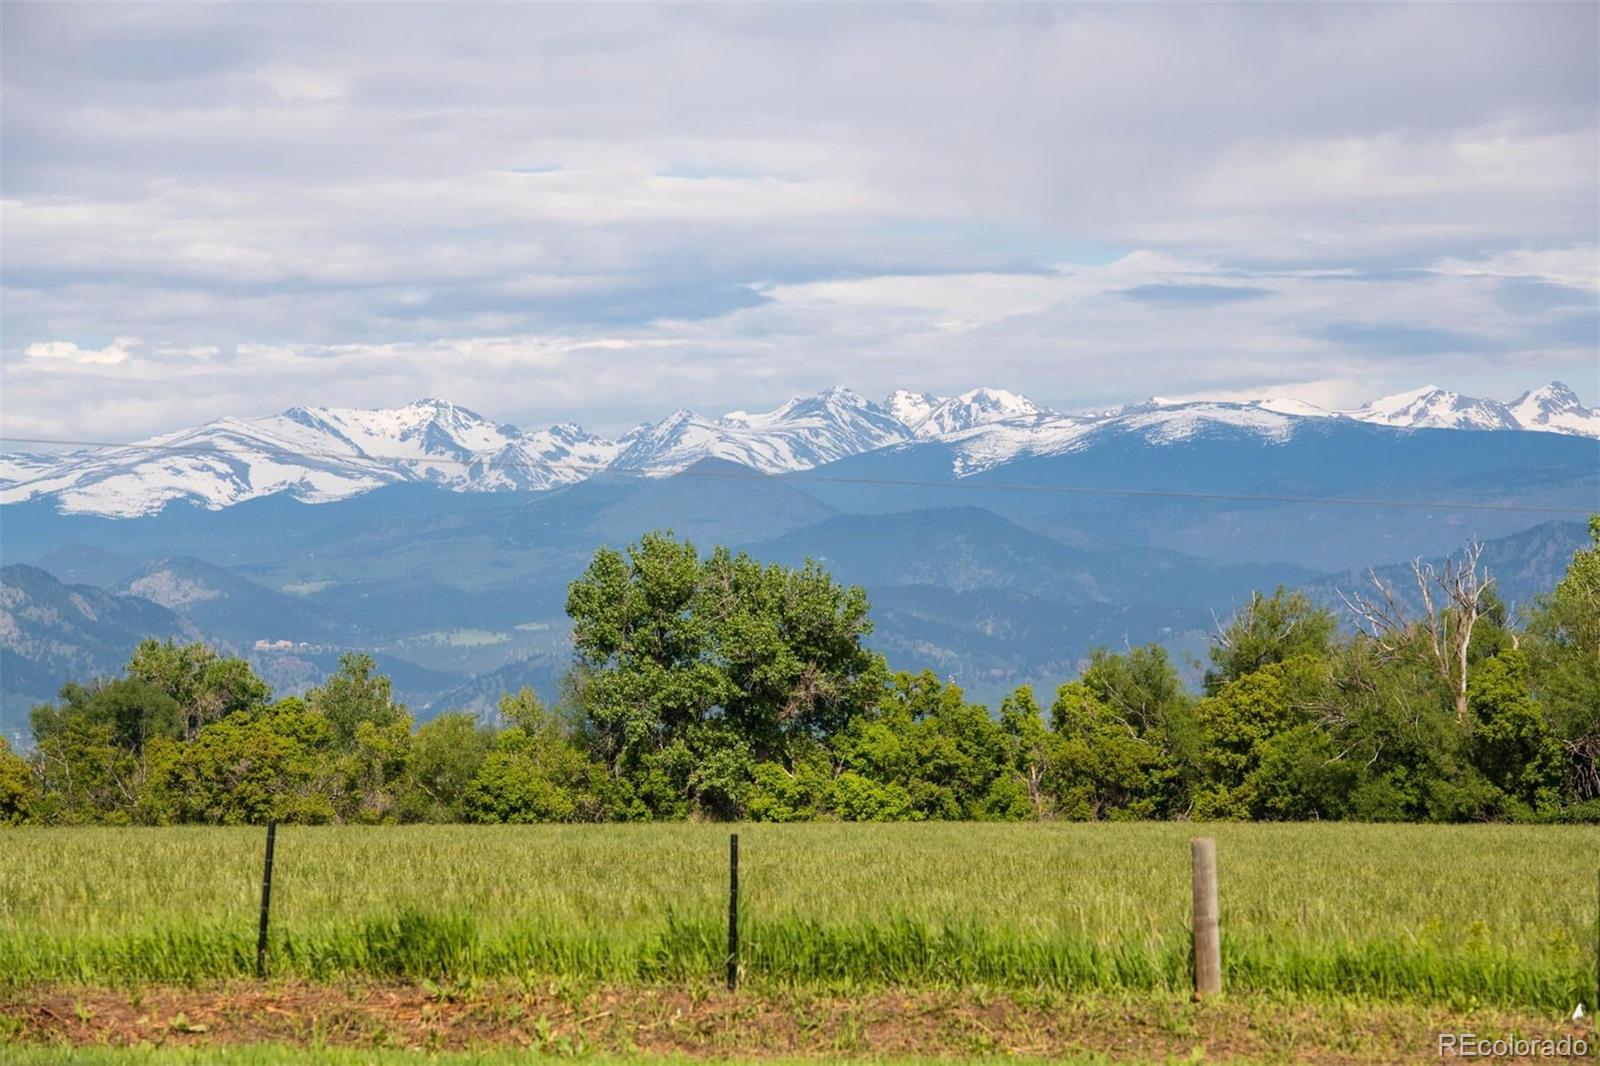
point(1491, 914)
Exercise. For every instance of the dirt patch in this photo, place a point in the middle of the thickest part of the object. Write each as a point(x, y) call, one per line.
point(709, 1022)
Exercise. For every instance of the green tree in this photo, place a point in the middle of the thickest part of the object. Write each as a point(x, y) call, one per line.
point(1393, 717)
point(133, 712)
point(205, 686)
point(1564, 661)
point(354, 695)
point(373, 772)
point(1302, 776)
point(948, 756)
point(1032, 747)
point(690, 672)
point(247, 769)
point(782, 794)
point(540, 770)
point(1238, 724)
point(542, 776)
point(1513, 745)
point(17, 790)
point(446, 754)
point(1104, 764)
point(1267, 630)
point(856, 798)
point(92, 750)
point(789, 642)
point(526, 711)
point(1140, 688)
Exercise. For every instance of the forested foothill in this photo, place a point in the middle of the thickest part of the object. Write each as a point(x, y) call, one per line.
point(712, 686)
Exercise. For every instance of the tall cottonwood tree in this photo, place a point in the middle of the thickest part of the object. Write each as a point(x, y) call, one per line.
point(206, 686)
point(1564, 651)
point(692, 670)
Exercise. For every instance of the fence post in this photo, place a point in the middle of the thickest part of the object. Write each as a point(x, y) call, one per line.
point(1207, 945)
point(266, 902)
point(733, 911)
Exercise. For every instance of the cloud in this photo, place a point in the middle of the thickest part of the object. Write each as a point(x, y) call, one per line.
point(1330, 394)
point(360, 205)
point(1069, 337)
point(1572, 266)
point(1194, 294)
point(118, 351)
point(1402, 340)
point(198, 351)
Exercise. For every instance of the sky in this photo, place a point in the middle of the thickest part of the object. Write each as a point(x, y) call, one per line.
point(604, 212)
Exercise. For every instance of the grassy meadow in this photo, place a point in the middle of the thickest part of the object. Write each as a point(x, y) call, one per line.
point(1452, 915)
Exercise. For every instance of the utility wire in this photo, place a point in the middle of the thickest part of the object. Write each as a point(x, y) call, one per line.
point(489, 462)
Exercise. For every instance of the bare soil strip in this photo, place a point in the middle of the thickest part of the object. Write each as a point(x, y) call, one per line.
point(708, 1022)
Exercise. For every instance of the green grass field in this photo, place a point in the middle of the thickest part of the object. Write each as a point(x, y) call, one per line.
point(1444, 915)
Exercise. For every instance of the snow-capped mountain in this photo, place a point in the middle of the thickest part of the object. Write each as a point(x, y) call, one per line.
point(25, 466)
point(1157, 421)
point(313, 454)
point(805, 432)
point(543, 459)
point(322, 454)
point(980, 407)
point(1431, 407)
point(911, 408)
point(1555, 408)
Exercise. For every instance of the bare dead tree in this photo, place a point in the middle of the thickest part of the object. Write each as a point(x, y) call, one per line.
point(1583, 770)
point(1452, 598)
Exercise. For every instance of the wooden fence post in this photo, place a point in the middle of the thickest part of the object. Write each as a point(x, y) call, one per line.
point(733, 911)
point(266, 902)
point(1207, 945)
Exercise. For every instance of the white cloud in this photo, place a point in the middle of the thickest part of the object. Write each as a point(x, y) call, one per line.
point(1577, 267)
point(602, 212)
point(197, 351)
point(118, 351)
point(1327, 393)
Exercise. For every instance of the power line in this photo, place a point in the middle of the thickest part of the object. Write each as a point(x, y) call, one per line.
point(489, 462)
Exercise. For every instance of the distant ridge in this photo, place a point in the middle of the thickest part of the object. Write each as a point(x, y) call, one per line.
point(320, 454)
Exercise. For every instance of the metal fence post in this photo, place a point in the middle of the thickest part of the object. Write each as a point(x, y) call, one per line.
point(266, 902)
point(733, 911)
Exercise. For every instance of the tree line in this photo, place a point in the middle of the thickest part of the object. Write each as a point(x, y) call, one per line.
point(716, 687)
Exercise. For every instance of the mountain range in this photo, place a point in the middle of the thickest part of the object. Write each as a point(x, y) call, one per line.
point(998, 541)
point(321, 454)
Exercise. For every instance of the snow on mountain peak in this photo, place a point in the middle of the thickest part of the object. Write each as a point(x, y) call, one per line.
point(1432, 407)
point(911, 408)
point(1412, 400)
point(1283, 405)
point(317, 454)
point(841, 394)
point(1001, 403)
point(978, 407)
point(834, 402)
point(1555, 407)
point(1287, 405)
point(1548, 399)
point(804, 432)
